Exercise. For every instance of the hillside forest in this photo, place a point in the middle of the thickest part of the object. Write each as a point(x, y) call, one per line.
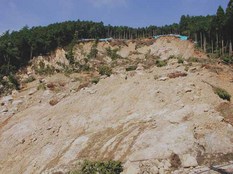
point(212, 33)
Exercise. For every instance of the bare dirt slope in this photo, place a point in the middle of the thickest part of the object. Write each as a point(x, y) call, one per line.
point(129, 50)
point(144, 118)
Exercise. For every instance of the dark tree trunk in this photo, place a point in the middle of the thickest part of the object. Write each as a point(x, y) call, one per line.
point(31, 52)
point(212, 46)
point(196, 37)
point(204, 43)
point(201, 40)
point(222, 47)
point(230, 49)
point(217, 46)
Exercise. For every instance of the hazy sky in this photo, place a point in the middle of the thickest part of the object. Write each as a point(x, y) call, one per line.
point(14, 14)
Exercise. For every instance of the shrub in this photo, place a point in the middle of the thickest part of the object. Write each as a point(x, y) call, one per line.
point(70, 53)
point(73, 172)
point(227, 60)
point(222, 93)
point(29, 79)
point(70, 57)
point(94, 51)
point(8, 84)
point(160, 63)
point(131, 68)
point(95, 80)
point(186, 68)
point(43, 69)
point(84, 67)
point(105, 70)
point(41, 86)
point(112, 53)
point(172, 57)
point(108, 167)
point(14, 81)
point(180, 60)
point(7, 69)
point(193, 59)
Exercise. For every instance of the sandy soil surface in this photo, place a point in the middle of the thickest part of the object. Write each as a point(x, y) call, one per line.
point(144, 118)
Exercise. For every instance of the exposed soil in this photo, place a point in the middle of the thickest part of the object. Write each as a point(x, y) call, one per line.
point(151, 118)
point(226, 109)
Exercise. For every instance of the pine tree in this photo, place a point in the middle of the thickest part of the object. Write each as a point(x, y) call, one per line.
point(220, 21)
point(229, 24)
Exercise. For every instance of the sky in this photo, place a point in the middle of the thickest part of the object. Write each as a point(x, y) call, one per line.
point(15, 14)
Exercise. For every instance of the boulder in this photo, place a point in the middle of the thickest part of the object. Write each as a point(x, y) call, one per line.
point(140, 67)
point(187, 90)
point(161, 171)
point(163, 78)
point(154, 170)
point(131, 168)
point(166, 165)
point(7, 99)
point(14, 93)
point(188, 160)
point(103, 77)
point(32, 91)
point(17, 102)
point(4, 110)
point(219, 118)
point(193, 69)
point(91, 91)
point(5, 78)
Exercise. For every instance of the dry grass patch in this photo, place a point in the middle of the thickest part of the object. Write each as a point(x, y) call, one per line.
point(177, 74)
point(51, 86)
point(226, 110)
point(175, 161)
point(84, 85)
point(142, 43)
point(53, 102)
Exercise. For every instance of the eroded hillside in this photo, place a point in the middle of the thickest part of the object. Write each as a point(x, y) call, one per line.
point(156, 110)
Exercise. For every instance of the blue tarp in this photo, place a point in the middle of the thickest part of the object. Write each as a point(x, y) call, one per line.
point(174, 35)
point(86, 40)
point(105, 39)
point(183, 37)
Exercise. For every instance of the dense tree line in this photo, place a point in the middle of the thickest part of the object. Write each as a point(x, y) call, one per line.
point(18, 47)
point(212, 33)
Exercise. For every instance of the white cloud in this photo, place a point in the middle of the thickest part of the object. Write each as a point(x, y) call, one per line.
point(112, 3)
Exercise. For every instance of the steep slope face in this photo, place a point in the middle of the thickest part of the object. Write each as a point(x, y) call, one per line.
point(150, 118)
point(131, 51)
point(163, 47)
point(146, 117)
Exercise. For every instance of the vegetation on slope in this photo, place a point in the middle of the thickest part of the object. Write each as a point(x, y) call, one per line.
point(222, 93)
point(212, 33)
point(18, 47)
point(108, 167)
